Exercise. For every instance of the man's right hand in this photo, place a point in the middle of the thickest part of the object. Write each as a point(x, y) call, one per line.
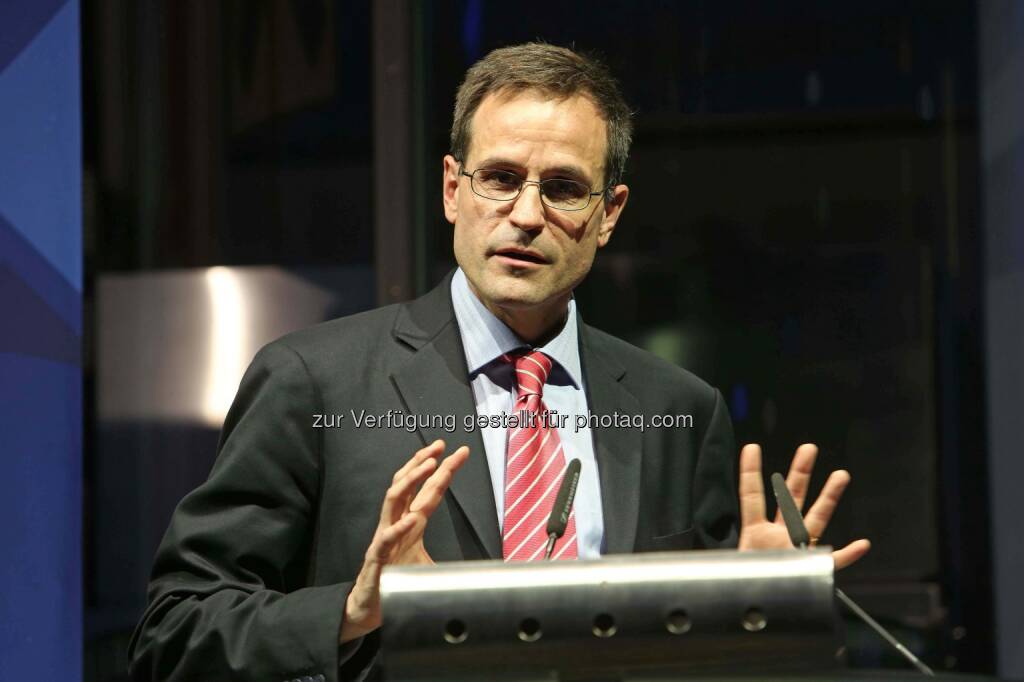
point(399, 536)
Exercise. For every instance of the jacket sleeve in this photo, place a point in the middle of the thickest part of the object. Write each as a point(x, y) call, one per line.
point(716, 512)
point(229, 597)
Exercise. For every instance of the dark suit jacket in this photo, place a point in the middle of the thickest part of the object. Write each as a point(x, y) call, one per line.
point(251, 578)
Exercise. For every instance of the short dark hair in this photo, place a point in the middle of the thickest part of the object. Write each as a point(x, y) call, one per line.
point(552, 70)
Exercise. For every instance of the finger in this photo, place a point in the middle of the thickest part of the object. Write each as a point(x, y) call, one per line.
point(397, 507)
point(432, 492)
point(383, 547)
point(435, 449)
point(400, 494)
point(396, 532)
point(821, 511)
point(851, 553)
point(798, 480)
point(751, 487)
point(455, 460)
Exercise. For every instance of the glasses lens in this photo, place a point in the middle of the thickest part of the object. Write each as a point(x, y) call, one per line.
point(496, 184)
point(567, 195)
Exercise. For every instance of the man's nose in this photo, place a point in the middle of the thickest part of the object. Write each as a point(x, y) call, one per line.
point(527, 209)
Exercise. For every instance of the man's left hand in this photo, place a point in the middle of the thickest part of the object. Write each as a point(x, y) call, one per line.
point(757, 532)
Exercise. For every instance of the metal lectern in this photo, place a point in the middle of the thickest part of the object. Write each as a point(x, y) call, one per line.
point(629, 617)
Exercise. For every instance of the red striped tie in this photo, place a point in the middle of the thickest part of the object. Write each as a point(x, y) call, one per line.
point(534, 467)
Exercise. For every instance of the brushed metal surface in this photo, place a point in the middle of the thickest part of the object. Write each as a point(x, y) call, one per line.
point(658, 614)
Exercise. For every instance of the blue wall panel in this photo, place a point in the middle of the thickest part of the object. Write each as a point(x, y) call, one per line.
point(40, 340)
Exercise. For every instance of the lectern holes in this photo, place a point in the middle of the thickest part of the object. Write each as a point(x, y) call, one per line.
point(455, 631)
point(678, 622)
point(604, 625)
point(754, 620)
point(529, 630)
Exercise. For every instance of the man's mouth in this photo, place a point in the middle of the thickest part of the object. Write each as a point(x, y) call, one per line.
point(522, 255)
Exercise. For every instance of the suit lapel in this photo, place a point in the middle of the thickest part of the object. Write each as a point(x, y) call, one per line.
point(618, 450)
point(435, 381)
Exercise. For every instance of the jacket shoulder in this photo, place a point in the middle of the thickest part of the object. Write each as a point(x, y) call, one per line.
point(644, 368)
point(320, 346)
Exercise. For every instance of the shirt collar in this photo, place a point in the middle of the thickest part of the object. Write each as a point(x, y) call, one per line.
point(485, 337)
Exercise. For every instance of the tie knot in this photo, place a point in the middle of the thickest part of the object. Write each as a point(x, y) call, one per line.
point(532, 371)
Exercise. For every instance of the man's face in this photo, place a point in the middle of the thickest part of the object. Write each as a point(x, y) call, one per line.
point(521, 255)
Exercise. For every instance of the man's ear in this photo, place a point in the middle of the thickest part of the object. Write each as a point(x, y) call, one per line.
point(450, 187)
point(612, 210)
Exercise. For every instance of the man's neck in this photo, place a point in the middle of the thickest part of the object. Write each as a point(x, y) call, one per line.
point(535, 326)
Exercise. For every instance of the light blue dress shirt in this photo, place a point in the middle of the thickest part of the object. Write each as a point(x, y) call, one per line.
point(485, 338)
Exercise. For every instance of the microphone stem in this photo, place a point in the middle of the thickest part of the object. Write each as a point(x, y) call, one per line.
point(852, 605)
point(552, 539)
point(882, 632)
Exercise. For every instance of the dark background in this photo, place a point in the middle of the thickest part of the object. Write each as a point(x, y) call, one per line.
point(803, 231)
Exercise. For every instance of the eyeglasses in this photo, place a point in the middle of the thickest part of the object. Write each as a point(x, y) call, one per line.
point(502, 185)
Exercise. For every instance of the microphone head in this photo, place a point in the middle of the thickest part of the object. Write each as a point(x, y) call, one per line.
point(560, 511)
point(794, 521)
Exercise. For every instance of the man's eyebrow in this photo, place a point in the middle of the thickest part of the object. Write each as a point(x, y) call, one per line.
point(569, 170)
point(499, 162)
point(574, 172)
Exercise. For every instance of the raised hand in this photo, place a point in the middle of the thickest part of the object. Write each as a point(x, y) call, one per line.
point(399, 536)
point(757, 532)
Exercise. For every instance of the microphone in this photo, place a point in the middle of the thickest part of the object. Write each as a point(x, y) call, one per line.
point(799, 536)
point(559, 518)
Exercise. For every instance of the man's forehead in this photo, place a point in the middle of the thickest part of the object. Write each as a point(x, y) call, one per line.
point(570, 125)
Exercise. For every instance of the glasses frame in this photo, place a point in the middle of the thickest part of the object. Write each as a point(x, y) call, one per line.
point(540, 188)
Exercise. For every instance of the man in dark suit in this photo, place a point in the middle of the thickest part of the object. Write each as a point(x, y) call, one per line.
point(270, 570)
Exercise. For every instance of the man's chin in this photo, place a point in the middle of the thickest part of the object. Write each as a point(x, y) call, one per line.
point(517, 300)
point(515, 290)
point(516, 293)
